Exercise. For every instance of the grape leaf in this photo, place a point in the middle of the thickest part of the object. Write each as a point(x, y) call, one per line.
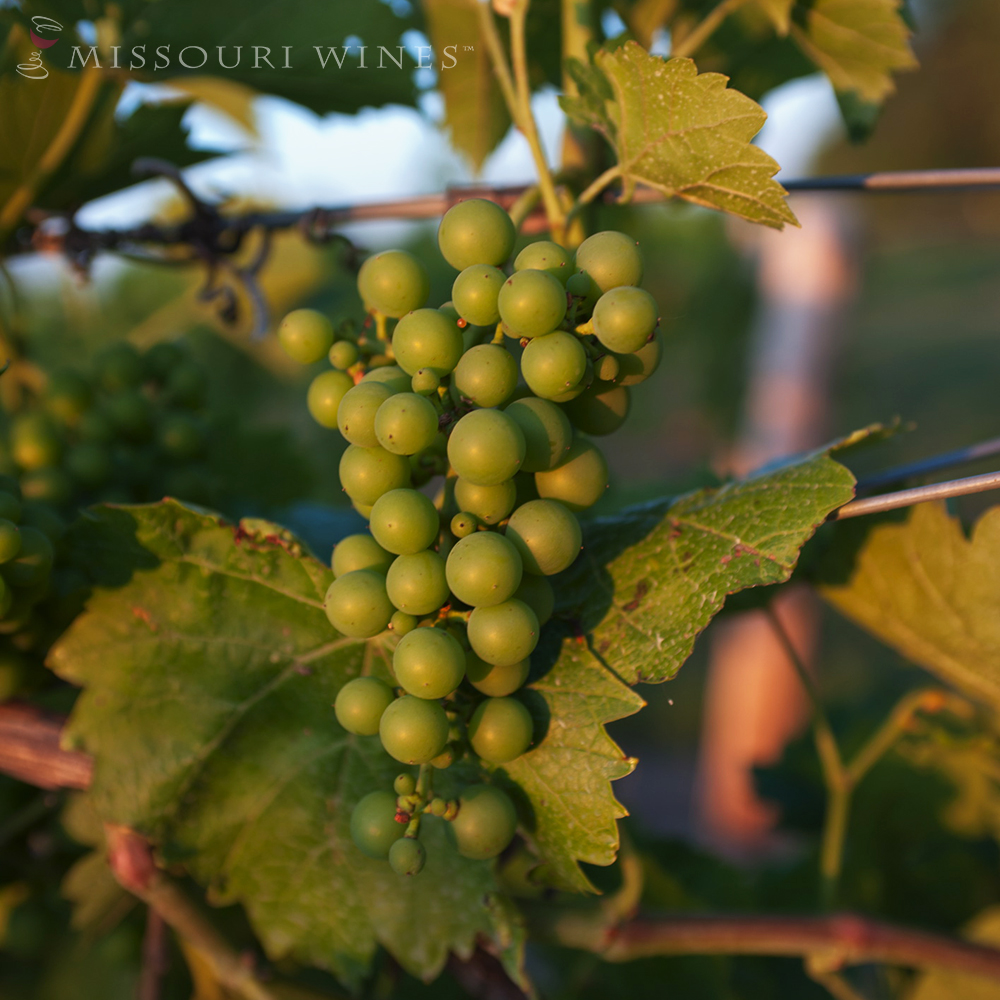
point(779, 12)
point(683, 133)
point(932, 593)
point(651, 578)
point(857, 43)
point(209, 671)
point(946, 984)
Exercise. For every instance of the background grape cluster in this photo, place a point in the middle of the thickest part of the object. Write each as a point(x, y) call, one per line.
point(495, 391)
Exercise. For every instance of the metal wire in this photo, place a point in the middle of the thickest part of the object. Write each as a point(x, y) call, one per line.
point(919, 494)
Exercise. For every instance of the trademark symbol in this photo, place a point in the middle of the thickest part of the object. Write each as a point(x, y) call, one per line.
point(468, 48)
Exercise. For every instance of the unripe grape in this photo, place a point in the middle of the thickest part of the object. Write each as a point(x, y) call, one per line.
point(404, 784)
point(486, 447)
point(360, 704)
point(497, 682)
point(475, 293)
point(187, 385)
point(404, 521)
point(500, 730)
point(427, 338)
point(414, 730)
point(95, 427)
point(425, 382)
point(67, 397)
point(119, 367)
point(490, 504)
point(580, 481)
point(638, 366)
point(34, 443)
point(367, 473)
point(546, 256)
point(532, 303)
point(581, 387)
point(374, 829)
point(610, 259)
point(33, 563)
point(343, 354)
point(50, 485)
point(131, 415)
point(10, 505)
point(606, 368)
point(428, 663)
point(10, 540)
point(306, 335)
point(444, 760)
point(407, 856)
point(546, 534)
point(325, 394)
point(554, 364)
point(359, 552)
point(416, 583)
point(537, 593)
point(483, 569)
point(393, 282)
point(162, 358)
point(485, 824)
point(464, 524)
point(547, 432)
point(601, 410)
point(406, 423)
point(625, 318)
point(356, 412)
point(437, 806)
point(476, 231)
point(487, 375)
point(401, 623)
point(504, 633)
point(391, 376)
point(182, 436)
point(357, 604)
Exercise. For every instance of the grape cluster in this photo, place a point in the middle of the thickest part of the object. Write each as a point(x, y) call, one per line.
point(496, 391)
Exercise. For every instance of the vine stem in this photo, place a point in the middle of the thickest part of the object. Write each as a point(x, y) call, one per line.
point(597, 185)
point(694, 40)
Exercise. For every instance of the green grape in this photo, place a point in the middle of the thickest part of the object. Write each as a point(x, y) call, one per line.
point(13, 666)
point(483, 569)
point(583, 288)
point(444, 759)
point(486, 447)
point(393, 282)
point(356, 412)
point(89, 463)
point(546, 534)
point(601, 410)
point(406, 423)
point(34, 443)
point(638, 366)
point(581, 387)
point(545, 256)
point(131, 415)
point(119, 367)
point(306, 335)
point(360, 704)
point(425, 382)
point(358, 605)
point(537, 593)
point(625, 318)
point(325, 394)
point(67, 397)
point(187, 386)
point(162, 358)
point(607, 368)
point(33, 563)
point(547, 432)
point(497, 682)
point(437, 806)
point(95, 427)
point(427, 338)
point(610, 259)
point(51, 485)
point(475, 293)
point(489, 504)
point(10, 505)
point(554, 364)
point(364, 509)
point(359, 552)
point(476, 231)
point(407, 856)
point(373, 824)
point(404, 521)
point(429, 663)
point(367, 473)
point(417, 583)
point(486, 375)
point(414, 730)
point(464, 524)
point(10, 540)
point(532, 303)
point(401, 623)
point(580, 481)
point(391, 376)
point(485, 824)
point(182, 436)
point(503, 633)
point(430, 462)
point(6, 598)
point(343, 354)
point(500, 730)
point(404, 784)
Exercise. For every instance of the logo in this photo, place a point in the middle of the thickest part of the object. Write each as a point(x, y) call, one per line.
point(34, 68)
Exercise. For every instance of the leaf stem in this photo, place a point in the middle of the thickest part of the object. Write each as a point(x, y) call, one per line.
point(494, 46)
point(597, 185)
point(697, 37)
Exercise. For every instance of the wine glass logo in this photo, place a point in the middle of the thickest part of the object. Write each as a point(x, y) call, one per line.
point(34, 68)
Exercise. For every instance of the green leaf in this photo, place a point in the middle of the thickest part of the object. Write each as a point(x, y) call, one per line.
point(946, 984)
point(652, 578)
point(779, 12)
point(475, 113)
point(683, 133)
point(857, 43)
point(210, 670)
point(932, 593)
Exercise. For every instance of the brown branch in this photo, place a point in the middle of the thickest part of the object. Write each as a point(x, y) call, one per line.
point(30, 749)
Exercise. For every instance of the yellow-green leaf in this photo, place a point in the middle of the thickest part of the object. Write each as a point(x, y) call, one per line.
point(945, 984)
point(779, 12)
point(233, 99)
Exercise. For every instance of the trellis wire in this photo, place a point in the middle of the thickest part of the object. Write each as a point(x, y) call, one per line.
point(919, 494)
